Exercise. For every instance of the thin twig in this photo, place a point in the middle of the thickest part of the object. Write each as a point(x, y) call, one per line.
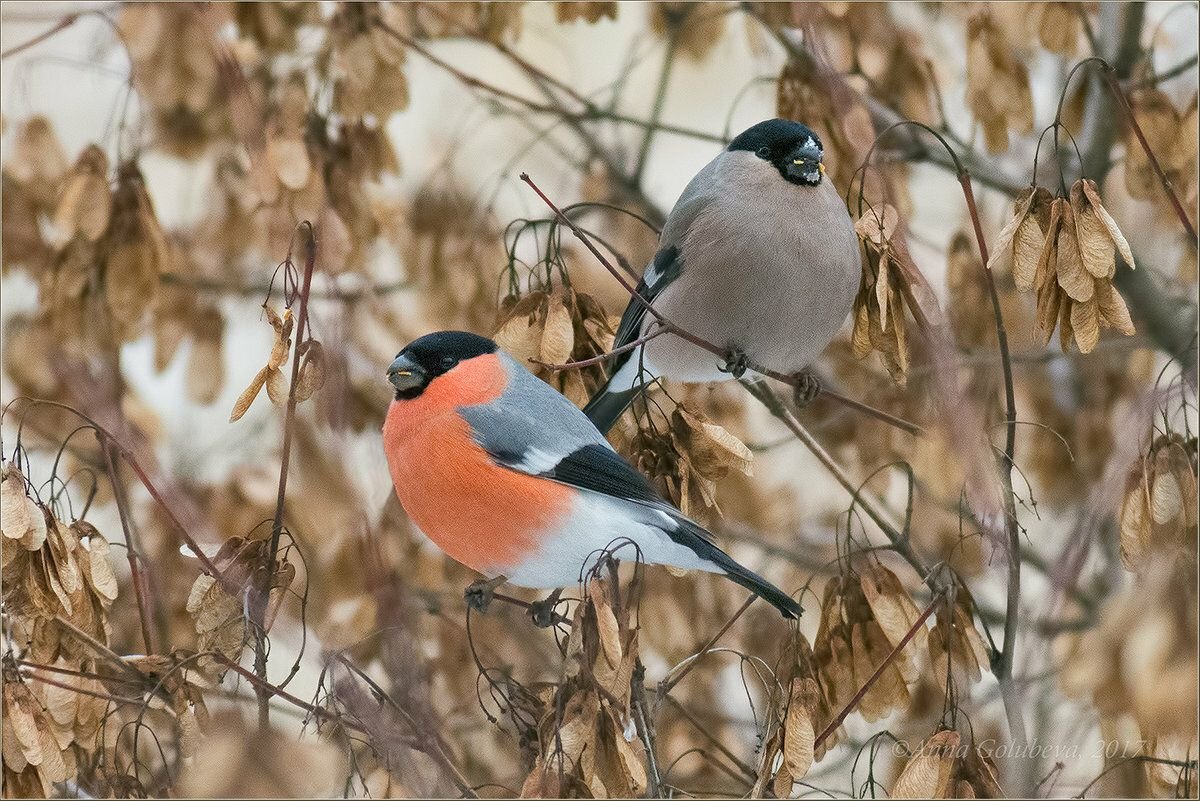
point(262, 595)
point(439, 747)
point(704, 730)
point(62, 25)
point(665, 686)
point(132, 553)
point(603, 357)
point(869, 504)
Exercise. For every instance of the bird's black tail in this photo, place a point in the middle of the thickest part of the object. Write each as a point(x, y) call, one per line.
point(606, 406)
point(691, 535)
point(762, 588)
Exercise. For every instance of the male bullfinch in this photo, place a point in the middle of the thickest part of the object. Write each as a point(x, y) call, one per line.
point(509, 478)
point(758, 256)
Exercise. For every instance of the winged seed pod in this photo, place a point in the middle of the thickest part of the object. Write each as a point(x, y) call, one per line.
point(851, 645)
point(946, 767)
point(1159, 512)
point(586, 736)
point(270, 375)
point(85, 204)
point(366, 60)
point(1073, 275)
point(1019, 244)
point(957, 653)
point(879, 322)
point(998, 90)
point(1171, 135)
point(930, 771)
point(554, 328)
point(1148, 630)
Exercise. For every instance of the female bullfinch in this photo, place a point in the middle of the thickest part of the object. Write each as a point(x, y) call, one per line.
point(507, 477)
point(758, 255)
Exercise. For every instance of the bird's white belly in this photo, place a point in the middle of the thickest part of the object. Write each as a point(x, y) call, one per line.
point(597, 524)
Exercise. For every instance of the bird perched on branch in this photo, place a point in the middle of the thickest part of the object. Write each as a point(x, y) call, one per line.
point(509, 478)
point(758, 257)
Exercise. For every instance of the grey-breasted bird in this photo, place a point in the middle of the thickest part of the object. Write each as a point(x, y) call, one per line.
point(758, 256)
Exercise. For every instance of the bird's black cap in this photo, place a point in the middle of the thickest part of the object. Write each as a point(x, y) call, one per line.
point(777, 135)
point(424, 359)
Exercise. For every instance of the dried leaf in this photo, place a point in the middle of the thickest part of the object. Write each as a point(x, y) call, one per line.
point(277, 389)
point(1166, 498)
point(1113, 311)
point(558, 335)
point(606, 622)
point(928, 774)
point(1085, 320)
point(800, 734)
point(249, 394)
point(1072, 276)
point(312, 370)
point(1093, 195)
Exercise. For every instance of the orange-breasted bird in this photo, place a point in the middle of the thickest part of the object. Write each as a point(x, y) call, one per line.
point(509, 478)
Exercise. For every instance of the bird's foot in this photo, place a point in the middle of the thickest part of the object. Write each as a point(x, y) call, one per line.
point(542, 612)
point(736, 363)
point(807, 388)
point(478, 594)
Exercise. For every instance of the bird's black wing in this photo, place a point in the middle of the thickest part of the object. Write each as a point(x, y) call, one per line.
point(662, 271)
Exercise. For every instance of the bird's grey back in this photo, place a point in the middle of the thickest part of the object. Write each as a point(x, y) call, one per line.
point(530, 417)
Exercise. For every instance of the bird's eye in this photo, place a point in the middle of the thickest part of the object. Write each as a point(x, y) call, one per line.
point(764, 153)
point(448, 362)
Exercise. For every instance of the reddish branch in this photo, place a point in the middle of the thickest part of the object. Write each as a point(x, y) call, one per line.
point(262, 595)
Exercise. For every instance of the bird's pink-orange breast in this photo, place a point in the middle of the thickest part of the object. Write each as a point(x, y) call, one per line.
point(485, 516)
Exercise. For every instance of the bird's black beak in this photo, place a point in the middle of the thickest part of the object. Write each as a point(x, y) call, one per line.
point(806, 163)
point(406, 375)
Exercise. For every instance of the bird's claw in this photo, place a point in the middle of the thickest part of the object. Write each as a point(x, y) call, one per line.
point(542, 612)
point(736, 363)
point(478, 594)
point(807, 388)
